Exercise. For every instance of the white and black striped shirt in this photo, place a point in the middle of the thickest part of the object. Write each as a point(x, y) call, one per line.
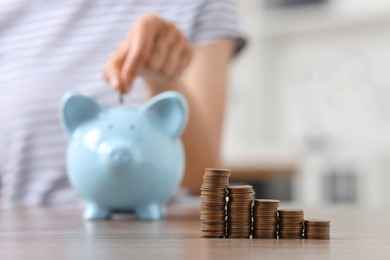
point(49, 47)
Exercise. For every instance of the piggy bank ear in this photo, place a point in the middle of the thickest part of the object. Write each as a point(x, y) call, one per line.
point(75, 109)
point(167, 112)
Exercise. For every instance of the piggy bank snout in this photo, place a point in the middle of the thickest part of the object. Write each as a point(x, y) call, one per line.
point(120, 155)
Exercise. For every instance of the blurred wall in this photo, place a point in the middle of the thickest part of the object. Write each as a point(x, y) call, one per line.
point(313, 87)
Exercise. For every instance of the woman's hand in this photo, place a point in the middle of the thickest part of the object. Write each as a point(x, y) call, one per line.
point(154, 49)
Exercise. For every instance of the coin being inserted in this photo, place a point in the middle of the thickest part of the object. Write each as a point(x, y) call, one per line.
point(121, 97)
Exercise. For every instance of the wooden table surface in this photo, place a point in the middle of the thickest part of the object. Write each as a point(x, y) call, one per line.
point(61, 234)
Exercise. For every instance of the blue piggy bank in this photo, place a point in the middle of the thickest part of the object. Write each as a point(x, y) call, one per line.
point(122, 159)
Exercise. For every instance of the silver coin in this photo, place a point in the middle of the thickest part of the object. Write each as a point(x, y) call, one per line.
point(121, 97)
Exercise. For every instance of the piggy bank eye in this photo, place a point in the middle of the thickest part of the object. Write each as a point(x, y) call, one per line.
point(110, 126)
point(131, 127)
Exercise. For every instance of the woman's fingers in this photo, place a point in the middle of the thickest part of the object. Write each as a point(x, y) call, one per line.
point(140, 45)
point(185, 59)
point(153, 45)
point(112, 69)
point(174, 58)
point(164, 42)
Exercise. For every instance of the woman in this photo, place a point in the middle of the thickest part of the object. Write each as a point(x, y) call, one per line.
point(50, 47)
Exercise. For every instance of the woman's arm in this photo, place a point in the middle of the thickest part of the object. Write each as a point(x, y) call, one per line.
point(204, 86)
point(157, 51)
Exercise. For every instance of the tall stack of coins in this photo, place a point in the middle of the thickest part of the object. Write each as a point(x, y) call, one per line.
point(265, 218)
point(239, 211)
point(290, 223)
point(317, 229)
point(213, 202)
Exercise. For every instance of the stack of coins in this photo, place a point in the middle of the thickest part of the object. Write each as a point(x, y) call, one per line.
point(290, 223)
point(265, 218)
point(239, 213)
point(317, 229)
point(213, 202)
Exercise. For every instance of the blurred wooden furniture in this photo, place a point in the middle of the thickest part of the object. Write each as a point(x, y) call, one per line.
point(264, 172)
point(61, 234)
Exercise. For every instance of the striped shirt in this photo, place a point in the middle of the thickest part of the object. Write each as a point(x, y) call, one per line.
point(49, 47)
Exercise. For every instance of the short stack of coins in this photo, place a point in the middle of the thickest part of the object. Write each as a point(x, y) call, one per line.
point(265, 218)
point(213, 202)
point(239, 213)
point(290, 223)
point(317, 229)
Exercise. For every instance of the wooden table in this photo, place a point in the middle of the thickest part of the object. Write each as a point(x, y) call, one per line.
point(60, 234)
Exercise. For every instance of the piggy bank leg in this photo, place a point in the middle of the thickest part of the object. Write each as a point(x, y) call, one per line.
point(93, 211)
point(152, 211)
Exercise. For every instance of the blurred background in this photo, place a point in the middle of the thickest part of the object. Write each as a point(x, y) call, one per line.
point(308, 116)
